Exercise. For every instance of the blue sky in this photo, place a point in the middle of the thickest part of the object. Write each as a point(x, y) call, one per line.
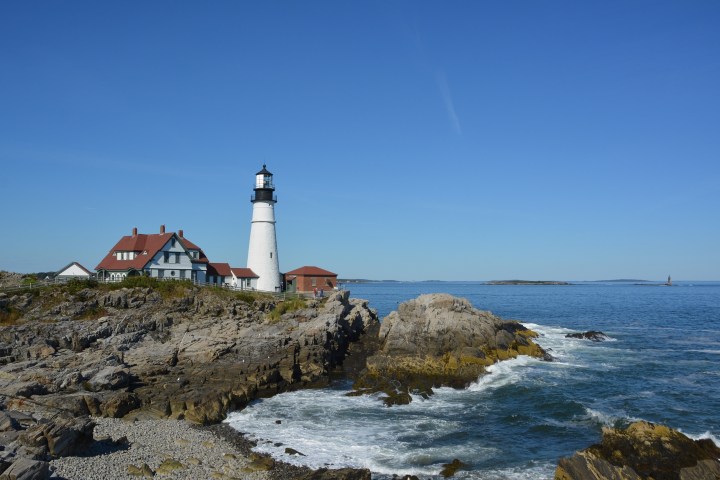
point(464, 140)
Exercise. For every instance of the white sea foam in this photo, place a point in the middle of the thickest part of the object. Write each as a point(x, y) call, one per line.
point(704, 436)
point(531, 472)
point(606, 419)
point(554, 340)
point(332, 429)
point(502, 373)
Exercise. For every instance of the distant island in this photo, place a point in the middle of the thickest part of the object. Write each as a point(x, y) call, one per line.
point(620, 280)
point(363, 280)
point(526, 282)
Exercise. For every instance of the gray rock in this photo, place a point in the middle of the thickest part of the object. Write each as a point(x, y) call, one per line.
point(27, 469)
point(109, 378)
point(68, 435)
point(7, 422)
point(590, 335)
point(25, 389)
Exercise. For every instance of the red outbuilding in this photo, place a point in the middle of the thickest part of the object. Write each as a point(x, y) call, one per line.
point(310, 279)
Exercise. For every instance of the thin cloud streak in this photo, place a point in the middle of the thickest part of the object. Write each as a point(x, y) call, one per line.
point(447, 100)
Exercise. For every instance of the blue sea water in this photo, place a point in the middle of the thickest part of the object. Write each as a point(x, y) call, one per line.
point(661, 364)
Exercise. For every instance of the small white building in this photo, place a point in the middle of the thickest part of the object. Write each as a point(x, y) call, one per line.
point(222, 274)
point(73, 270)
point(243, 279)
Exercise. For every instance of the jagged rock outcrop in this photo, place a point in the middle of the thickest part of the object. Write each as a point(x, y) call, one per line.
point(643, 451)
point(180, 352)
point(28, 443)
point(193, 353)
point(592, 335)
point(439, 340)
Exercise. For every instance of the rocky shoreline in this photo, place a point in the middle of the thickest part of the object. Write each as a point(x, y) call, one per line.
point(132, 380)
point(153, 350)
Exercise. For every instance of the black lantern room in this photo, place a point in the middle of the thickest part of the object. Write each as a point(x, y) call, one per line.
point(264, 188)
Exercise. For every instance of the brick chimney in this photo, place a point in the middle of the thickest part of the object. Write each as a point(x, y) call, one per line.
point(180, 233)
point(162, 228)
point(134, 231)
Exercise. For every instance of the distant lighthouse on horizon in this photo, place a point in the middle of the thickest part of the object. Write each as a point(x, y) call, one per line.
point(262, 250)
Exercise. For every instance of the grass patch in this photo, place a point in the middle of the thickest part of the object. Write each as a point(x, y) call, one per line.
point(166, 288)
point(244, 296)
point(9, 316)
point(93, 313)
point(285, 307)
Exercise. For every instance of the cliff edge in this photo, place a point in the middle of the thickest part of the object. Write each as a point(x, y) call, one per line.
point(439, 340)
point(173, 351)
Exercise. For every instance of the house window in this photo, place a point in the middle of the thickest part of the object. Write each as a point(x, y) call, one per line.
point(172, 242)
point(177, 257)
point(270, 254)
point(313, 282)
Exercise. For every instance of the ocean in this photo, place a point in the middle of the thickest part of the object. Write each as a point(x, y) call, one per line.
point(661, 364)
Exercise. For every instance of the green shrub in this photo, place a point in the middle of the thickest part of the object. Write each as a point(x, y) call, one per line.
point(74, 285)
point(246, 297)
point(285, 307)
point(242, 295)
point(166, 288)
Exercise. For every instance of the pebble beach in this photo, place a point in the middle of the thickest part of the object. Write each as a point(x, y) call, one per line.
point(169, 448)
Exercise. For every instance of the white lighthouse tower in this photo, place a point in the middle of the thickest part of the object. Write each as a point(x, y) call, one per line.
point(262, 251)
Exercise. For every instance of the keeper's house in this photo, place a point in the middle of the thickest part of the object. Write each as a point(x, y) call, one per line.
point(309, 279)
point(168, 255)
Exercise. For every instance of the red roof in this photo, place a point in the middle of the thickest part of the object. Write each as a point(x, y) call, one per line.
point(244, 273)
point(222, 269)
point(151, 244)
point(310, 270)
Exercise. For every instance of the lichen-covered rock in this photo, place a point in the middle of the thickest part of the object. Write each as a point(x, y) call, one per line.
point(440, 340)
point(643, 451)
